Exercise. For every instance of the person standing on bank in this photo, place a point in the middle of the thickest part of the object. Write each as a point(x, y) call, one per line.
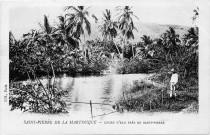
point(173, 82)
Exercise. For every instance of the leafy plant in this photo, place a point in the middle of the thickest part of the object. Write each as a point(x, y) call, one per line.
point(35, 98)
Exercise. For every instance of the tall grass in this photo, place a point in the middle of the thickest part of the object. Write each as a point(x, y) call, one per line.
point(146, 96)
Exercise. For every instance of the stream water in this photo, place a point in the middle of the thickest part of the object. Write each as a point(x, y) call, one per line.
point(105, 90)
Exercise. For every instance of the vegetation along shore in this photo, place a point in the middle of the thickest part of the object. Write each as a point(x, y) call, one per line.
point(65, 47)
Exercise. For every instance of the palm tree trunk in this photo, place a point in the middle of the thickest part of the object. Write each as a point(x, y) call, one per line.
point(150, 105)
point(53, 73)
point(28, 76)
point(116, 46)
point(48, 86)
point(123, 47)
point(132, 50)
point(84, 48)
point(117, 49)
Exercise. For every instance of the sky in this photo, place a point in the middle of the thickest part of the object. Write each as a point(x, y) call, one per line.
point(23, 19)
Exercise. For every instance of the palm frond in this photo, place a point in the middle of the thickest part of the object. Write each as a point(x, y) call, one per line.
point(41, 26)
point(94, 17)
point(86, 13)
point(61, 18)
point(130, 8)
point(135, 29)
point(118, 7)
point(120, 17)
point(71, 7)
point(47, 25)
point(87, 8)
point(87, 25)
point(80, 8)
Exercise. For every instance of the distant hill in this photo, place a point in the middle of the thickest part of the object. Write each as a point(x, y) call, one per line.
point(150, 29)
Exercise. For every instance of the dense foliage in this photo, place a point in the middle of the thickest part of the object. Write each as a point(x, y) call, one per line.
point(37, 98)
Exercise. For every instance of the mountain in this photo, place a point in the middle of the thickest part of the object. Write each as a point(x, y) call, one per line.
point(150, 29)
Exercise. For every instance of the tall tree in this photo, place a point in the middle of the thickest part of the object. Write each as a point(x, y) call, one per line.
point(78, 22)
point(190, 52)
point(63, 35)
point(171, 42)
point(191, 38)
point(126, 24)
point(147, 41)
point(108, 28)
point(196, 14)
point(48, 34)
point(47, 30)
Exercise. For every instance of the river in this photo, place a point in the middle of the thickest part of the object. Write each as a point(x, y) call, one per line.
point(105, 90)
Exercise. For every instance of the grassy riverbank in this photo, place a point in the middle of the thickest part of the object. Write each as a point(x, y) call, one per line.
point(147, 96)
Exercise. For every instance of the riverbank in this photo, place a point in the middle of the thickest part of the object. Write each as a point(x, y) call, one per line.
point(125, 92)
point(149, 96)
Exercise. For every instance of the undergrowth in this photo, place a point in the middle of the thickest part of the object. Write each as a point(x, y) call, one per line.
point(146, 96)
point(37, 98)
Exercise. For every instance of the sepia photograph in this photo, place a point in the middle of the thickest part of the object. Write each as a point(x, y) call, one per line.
point(104, 65)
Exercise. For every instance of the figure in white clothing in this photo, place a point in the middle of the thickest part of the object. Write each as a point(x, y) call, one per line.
point(173, 82)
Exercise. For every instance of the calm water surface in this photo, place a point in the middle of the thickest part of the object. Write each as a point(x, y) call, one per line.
point(99, 89)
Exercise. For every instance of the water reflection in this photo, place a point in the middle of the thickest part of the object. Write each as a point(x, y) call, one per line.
point(99, 89)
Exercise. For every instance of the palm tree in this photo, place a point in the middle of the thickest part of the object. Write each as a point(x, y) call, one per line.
point(78, 22)
point(108, 28)
point(171, 42)
point(48, 33)
point(47, 30)
point(30, 38)
point(147, 41)
point(191, 42)
point(190, 52)
point(126, 24)
point(191, 38)
point(63, 35)
point(196, 14)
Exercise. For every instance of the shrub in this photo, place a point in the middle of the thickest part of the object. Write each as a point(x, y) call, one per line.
point(34, 97)
point(134, 65)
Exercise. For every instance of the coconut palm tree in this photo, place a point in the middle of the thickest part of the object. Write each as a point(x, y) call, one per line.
point(48, 33)
point(191, 38)
point(191, 43)
point(78, 22)
point(63, 35)
point(147, 41)
point(171, 42)
point(126, 24)
point(108, 28)
point(196, 14)
point(190, 52)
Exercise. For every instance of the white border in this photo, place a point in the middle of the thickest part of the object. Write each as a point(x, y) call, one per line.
point(175, 123)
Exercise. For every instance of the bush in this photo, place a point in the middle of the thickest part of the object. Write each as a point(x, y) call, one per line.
point(34, 97)
point(134, 65)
